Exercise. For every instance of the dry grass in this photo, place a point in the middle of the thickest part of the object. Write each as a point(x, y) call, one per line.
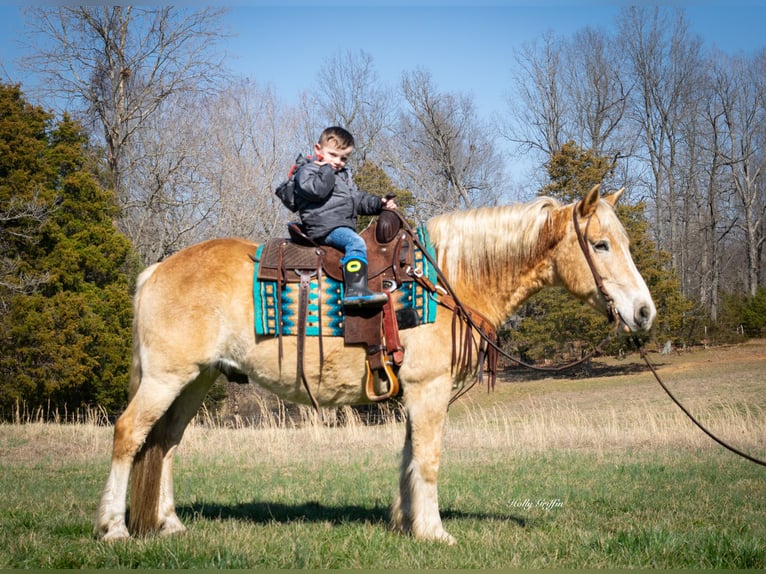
point(724, 387)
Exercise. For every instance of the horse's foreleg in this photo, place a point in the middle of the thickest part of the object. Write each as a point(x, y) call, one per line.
point(416, 505)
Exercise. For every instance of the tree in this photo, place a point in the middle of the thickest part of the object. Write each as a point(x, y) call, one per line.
point(597, 93)
point(120, 64)
point(664, 63)
point(23, 208)
point(373, 179)
point(538, 104)
point(64, 341)
point(739, 91)
point(349, 94)
point(441, 151)
point(572, 171)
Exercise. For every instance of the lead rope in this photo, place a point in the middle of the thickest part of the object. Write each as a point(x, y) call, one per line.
point(692, 418)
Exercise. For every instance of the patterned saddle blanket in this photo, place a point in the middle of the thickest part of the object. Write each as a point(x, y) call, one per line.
point(282, 264)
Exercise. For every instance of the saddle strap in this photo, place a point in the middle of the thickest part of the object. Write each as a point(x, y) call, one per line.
point(303, 302)
point(280, 285)
point(463, 318)
point(391, 332)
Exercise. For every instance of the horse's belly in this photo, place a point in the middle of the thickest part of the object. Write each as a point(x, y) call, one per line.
point(340, 381)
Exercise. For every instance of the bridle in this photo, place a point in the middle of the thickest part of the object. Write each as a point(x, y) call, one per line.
point(611, 311)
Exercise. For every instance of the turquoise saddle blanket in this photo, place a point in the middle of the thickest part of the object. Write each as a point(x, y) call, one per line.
point(329, 292)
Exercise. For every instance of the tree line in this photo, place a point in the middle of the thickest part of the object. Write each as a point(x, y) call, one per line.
point(155, 146)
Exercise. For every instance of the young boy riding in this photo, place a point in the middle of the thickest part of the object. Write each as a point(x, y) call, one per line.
point(328, 202)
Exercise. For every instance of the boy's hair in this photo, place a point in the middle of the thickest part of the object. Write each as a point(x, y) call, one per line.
point(336, 137)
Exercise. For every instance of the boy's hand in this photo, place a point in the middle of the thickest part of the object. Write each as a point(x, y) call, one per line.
point(389, 203)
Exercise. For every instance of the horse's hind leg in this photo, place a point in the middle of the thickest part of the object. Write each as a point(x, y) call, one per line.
point(152, 498)
point(132, 432)
point(416, 505)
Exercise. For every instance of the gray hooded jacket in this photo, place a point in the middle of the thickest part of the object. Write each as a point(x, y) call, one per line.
point(327, 199)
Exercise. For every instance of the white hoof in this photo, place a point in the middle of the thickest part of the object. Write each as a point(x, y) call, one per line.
point(171, 526)
point(440, 535)
point(447, 538)
point(117, 531)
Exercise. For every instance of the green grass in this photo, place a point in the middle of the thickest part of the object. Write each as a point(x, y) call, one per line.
point(590, 474)
point(693, 509)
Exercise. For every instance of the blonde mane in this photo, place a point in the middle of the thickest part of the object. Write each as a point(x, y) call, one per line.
point(491, 243)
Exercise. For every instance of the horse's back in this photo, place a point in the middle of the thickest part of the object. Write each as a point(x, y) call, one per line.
point(203, 269)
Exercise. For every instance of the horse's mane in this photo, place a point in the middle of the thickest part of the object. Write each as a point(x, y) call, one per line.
point(488, 243)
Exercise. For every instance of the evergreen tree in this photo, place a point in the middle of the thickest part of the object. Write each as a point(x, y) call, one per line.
point(372, 179)
point(552, 321)
point(64, 335)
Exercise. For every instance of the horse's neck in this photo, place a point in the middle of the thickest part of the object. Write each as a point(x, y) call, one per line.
point(498, 299)
point(495, 258)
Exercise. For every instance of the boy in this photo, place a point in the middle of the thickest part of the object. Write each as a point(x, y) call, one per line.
point(329, 202)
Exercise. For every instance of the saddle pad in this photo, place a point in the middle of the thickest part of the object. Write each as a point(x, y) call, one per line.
point(330, 294)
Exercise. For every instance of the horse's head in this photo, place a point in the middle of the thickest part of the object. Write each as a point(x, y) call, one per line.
point(594, 263)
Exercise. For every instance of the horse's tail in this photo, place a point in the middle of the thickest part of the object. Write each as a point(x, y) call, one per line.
point(135, 365)
point(147, 464)
point(145, 481)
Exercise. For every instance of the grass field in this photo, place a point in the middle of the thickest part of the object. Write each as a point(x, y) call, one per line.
point(557, 472)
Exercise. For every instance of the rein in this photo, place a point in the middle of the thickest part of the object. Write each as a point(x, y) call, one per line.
point(492, 349)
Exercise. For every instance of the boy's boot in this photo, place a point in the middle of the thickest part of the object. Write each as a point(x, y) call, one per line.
point(356, 292)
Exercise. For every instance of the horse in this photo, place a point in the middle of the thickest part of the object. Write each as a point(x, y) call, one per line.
point(193, 320)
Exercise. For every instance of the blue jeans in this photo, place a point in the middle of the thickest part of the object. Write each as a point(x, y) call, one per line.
point(348, 241)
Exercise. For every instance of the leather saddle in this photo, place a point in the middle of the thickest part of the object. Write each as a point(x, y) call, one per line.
point(390, 256)
point(389, 252)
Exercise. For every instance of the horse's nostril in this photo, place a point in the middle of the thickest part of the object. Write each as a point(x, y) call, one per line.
point(643, 315)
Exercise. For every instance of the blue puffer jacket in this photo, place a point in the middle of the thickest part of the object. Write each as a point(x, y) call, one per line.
point(328, 199)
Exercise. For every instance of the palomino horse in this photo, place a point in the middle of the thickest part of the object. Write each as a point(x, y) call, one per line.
point(194, 319)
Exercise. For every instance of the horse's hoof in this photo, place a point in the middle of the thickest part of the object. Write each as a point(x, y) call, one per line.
point(116, 532)
point(446, 538)
point(171, 526)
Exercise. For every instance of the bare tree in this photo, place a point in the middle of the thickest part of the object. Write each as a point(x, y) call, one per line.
point(351, 95)
point(569, 91)
point(207, 166)
point(740, 92)
point(537, 105)
point(442, 152)
point(664, 63)
point(597, 94)
point(119, 64)
point(250, 146)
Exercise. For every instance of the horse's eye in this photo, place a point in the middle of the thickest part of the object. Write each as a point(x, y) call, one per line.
point(602, 245)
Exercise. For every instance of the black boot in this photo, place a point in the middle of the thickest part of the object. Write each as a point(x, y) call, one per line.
point(357, 294)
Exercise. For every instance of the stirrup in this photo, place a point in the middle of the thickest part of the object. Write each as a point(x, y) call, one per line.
point(393, 383)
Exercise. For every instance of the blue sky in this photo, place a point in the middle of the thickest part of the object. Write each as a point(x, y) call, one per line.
point(466, 47)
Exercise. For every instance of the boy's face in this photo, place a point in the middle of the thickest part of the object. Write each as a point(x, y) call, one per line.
point(335, 156)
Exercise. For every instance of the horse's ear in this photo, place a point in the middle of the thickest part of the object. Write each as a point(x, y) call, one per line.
point(613, 198)
point(587, 206)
